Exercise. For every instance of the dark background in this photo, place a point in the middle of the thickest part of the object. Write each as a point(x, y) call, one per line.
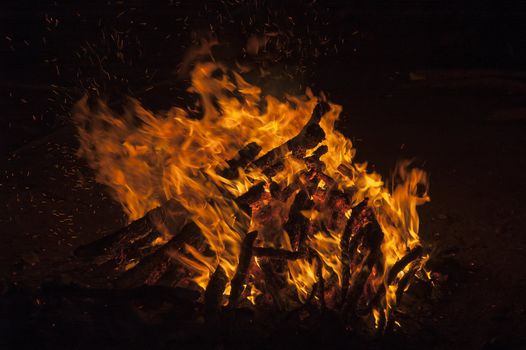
point(443, 82)
point(52, 51)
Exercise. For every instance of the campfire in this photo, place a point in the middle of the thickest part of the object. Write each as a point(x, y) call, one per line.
point(253, 202)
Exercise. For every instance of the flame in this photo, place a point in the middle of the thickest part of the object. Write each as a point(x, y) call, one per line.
point(148, 158)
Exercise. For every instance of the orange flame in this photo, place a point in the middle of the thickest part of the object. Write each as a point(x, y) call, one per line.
point(147, 159)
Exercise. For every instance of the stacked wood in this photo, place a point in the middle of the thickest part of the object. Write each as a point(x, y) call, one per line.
point(133, 251)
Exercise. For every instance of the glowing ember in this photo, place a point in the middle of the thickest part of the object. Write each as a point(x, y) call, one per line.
point(255, 163)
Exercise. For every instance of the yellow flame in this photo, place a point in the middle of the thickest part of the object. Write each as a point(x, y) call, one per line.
point(148, 158)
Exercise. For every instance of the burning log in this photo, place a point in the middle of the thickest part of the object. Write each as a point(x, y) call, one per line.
point(241, 272)
point(242, 159)
point(150, 269)
point(415, 253)
point(368, 236)
point(320, 284)
point(402, 263)
point(345, 247)
point(139, 234)
point(297, 224)
point(403, 283)
point(250, 197)
point(314, 160)
point(358, 282)
point(399, 266)
point(280, 254)
point(283, 194)
point(273, 283)
point(214, 293)
point(122, 237)
point(311, 135)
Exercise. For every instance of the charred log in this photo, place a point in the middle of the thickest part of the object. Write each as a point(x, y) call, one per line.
point(241, 160)
point(359, 279)
point(150, 269)
point(171, 216)
point(283, 194)
point(273, 284)
point(297, 224)
point(250, 197)
point(403, 284)
point(214, 293)
point(311, 135)
point(350, 230)
point(137, 229)
point(402, 263)
point(399, 266)
point(320, 284)
point(273, 253)
point(370, 237)
point(314, 160)
point(245, 258)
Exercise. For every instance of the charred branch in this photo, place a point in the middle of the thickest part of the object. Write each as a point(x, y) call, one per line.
point(320, 284)
point(359, 279)
point(399, 266)
point(273, 253)
point(273, 284)
point(108, 244)
point(311, 135)
point(403, 284)
point(250, 197)
point(241, 160)
point(214, 293)
point(402, 263)
point(139, 234)
point(245, 258)
point(150, 269)
point(314, 160)
point(345, 247)
point(367, 235)
point(297, 224)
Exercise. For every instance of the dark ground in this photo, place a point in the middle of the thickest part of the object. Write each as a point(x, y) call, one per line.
point(446, 88)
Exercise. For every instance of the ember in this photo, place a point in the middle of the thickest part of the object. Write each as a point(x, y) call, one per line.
point(254, 202)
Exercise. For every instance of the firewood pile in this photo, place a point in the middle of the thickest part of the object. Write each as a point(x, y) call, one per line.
point(354, 279)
